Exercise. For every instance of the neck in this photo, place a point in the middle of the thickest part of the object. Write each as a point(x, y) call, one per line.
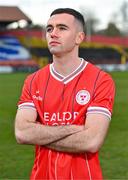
point(66, 65)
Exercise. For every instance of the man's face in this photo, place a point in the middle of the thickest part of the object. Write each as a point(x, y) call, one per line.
point(61, 33)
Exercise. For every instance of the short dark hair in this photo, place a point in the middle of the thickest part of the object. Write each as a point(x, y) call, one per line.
point(73, 12)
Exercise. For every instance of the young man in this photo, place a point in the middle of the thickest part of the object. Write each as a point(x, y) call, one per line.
point(65, 108)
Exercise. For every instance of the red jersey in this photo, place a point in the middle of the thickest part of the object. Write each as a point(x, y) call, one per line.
point(61, 100)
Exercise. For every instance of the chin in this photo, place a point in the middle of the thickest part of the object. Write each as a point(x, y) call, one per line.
point(55, 52)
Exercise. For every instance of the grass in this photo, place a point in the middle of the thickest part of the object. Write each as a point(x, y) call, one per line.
point(16, 160)
point(114, 154)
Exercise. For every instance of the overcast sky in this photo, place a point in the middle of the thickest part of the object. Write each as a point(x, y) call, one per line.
point(39, 10)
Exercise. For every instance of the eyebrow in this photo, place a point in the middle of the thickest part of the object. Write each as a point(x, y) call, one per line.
point(58, 25)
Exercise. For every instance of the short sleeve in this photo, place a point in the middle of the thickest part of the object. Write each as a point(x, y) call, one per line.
point(103, 97)
point(26, 100)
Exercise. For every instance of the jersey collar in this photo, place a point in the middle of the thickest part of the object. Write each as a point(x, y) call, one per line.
point(71, 76)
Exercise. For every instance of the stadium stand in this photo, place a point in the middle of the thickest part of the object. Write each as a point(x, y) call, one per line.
point(26, 49)
point(14, 56)
point(10, 14)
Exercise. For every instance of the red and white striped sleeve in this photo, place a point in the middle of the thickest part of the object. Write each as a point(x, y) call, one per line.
point(103, 98)
point(26, 100)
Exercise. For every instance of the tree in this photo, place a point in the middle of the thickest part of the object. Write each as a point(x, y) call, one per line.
point(111, 30)
point(91, 22)
point(124, 16)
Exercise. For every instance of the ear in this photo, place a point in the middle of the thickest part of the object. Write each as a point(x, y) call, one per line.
point(80, 37)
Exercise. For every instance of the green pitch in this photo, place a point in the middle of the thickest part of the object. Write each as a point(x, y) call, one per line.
point(16, 160)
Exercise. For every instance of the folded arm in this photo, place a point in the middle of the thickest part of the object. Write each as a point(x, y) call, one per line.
point(89, 139)
point(28, 131)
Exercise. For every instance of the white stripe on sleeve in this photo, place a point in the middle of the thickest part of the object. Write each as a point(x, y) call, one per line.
point(27, 105)
point(99, 110)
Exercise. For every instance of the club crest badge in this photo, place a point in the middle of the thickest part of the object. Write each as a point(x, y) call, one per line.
point(82, 97)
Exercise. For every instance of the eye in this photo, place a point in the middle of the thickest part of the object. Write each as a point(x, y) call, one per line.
point(49, 29)
point(62, 28)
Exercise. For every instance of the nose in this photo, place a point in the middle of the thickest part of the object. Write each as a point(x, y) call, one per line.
point(54, 33)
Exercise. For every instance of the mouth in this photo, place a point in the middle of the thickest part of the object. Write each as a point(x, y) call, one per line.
point(54, 43)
